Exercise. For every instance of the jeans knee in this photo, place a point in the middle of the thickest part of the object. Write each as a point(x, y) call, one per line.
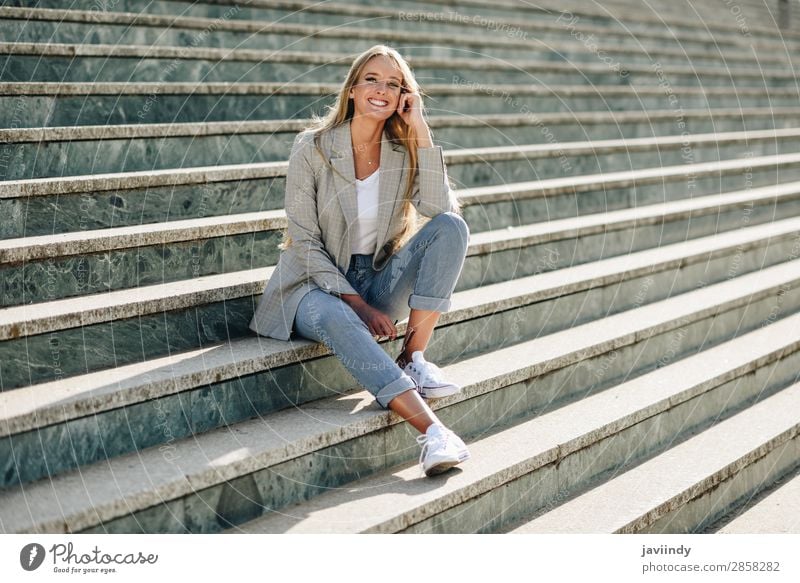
point(454, 225)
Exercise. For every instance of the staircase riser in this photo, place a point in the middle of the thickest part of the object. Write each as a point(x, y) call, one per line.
point(87, 211)
point(79, 275)
point(219, 9)
point(83, 211)
point(265, 393)
point(692, 39)
point(218, 507)
point(550, 485)
point(127, 34)
point(20, 68)
point(64, 158)
point(536, 131)
point(31, 160)
point(56, 355)
point(498, 172)
point(168, 7)
point(547, 256)
point(732, 493)
point(609, 14)
point(525, 211)
point(157, 106)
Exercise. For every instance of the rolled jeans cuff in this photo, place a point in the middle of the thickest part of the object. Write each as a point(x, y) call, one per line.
point(430, 304)
point(393, 389)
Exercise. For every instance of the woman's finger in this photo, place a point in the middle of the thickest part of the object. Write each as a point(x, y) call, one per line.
point(385, 323)
point(389, 330)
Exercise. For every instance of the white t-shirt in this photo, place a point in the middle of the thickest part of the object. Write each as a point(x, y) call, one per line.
point(365, 233)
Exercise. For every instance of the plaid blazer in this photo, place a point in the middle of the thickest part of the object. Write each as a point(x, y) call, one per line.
point(321, 209)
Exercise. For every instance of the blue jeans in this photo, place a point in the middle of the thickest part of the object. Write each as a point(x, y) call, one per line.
point(422, 275)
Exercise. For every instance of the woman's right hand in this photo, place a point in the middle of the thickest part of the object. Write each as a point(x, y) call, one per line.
point(379, 324)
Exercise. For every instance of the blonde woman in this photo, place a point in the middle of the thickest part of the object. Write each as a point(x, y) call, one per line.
point(352, 265)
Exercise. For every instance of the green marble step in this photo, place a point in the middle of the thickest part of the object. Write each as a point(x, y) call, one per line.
point(84, 150)
point(38, 105)
point(634, 15)
point(68, 337)
point(522, 203)
point(81, 263)
point(280, 459)
point(554, 41)
point(136, 63)
point(538, 462)
point(698, 481)
point(516, 26)
point(51, 267)
point(673, 15)
point(59, 205)
point(715, 13)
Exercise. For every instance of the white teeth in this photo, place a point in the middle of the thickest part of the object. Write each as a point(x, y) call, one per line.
point(378, 103)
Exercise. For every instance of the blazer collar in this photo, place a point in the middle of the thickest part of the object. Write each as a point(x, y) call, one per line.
point(392, 172)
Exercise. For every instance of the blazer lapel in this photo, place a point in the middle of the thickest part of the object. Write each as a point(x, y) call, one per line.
point(391, 172)
point(345, 179)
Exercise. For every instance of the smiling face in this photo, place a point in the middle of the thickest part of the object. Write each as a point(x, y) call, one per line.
point(377, 89)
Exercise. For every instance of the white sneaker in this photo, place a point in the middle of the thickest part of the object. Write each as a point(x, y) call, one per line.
point(429, 378)
point(441, 450)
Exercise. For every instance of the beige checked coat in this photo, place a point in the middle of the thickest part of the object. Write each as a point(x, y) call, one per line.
point(321, 207)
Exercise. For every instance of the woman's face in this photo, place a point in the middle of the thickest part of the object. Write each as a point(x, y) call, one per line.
point(376, 92)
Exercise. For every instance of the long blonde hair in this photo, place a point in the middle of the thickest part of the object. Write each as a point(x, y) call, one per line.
point(397, 130)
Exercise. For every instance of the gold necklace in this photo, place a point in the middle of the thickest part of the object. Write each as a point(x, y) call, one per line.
point(370, 162)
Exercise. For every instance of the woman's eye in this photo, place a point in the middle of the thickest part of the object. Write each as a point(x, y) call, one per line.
point(394, 86)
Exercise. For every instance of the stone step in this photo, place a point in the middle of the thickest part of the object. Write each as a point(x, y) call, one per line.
point(65, 62)
point(522, 203)
point(694, 482)
point(49, 206)
point(37, 105)
point(636, 16)
point(51, 267)
point(514, 24)
point(775, 513)
point(537, 462)
point(72, 264)
point(62, 338)
point(559, 38)
point(84, 150)
point(746, 17)
point(195, 487)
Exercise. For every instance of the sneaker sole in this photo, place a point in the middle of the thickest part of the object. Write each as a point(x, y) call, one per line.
point(444, 465)
point(441, 467)
point(438, 392)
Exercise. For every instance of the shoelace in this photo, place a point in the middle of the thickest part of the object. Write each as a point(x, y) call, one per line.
point(427, 371)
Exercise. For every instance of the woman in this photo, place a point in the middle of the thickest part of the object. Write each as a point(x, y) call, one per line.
point(350, 267)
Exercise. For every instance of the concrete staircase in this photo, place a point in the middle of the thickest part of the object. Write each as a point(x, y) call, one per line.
point(626, 328)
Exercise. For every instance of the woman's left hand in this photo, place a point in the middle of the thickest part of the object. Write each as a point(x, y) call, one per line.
point(409, 108)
